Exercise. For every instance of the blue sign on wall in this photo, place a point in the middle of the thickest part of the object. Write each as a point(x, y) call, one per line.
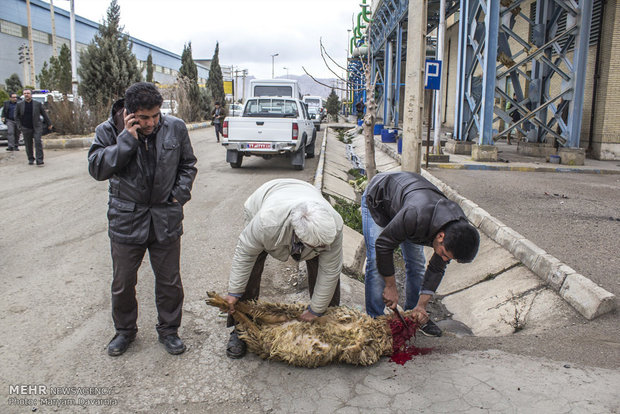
point(432, 74)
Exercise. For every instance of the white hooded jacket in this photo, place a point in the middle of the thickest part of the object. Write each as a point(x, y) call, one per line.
point(268, 228)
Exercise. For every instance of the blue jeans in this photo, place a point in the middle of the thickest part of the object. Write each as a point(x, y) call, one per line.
point(415, 264)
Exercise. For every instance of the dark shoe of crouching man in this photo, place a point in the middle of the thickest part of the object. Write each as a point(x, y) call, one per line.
point(286, 218)
point(150, 165)
point(404, 209)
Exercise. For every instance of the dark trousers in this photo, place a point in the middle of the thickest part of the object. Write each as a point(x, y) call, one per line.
point(164, 259)
point(29, 135)
point(252, 289)
point(218, 130)
point(13, 134)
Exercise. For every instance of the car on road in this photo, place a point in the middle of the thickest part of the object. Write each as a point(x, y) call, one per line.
point(315, 115)
point(270, 126)
point(4, 132)
point(169, 107)
point(234, 109)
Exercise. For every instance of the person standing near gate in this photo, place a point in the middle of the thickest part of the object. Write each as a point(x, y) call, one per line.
point(8, 117)
point(28, 117)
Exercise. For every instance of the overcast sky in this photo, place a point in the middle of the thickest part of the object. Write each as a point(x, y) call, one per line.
point(248, 31)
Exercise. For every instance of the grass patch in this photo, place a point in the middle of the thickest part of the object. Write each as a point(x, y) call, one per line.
point(350, 213)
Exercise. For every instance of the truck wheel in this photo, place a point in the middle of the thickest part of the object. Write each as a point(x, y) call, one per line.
point(299, 159)
point(310, 147)
point(237, 164)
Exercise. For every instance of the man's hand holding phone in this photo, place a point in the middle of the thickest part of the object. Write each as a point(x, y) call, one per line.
point(131, 124)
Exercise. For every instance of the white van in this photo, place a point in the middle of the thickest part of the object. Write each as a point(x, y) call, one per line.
point(288, 88)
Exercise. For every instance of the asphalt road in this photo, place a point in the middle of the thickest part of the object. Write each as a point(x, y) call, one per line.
point(55, 313)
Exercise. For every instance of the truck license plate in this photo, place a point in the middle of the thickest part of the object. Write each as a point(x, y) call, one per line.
point(259, 145)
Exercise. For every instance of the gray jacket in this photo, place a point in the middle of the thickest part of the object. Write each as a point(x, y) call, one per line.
point(38, 111)
point(117, 156)
point(410, 208)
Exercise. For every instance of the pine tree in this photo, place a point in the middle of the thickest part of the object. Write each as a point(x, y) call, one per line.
point(333, 105)
point(62, 70)
point(215, 82)
point(107, 66)
point(149, 68)
point(189, 72)
point(13, 84)
point(57, 76)
point(45, 77)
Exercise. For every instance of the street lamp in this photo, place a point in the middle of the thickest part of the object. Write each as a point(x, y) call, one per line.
point(272, 63)
point(286, 69)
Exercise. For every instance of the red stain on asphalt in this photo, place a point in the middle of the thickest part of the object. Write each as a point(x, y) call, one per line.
point(401, 334)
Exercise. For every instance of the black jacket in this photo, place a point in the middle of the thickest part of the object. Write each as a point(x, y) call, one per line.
point(38, 111)
point(410, 208)
point(117, 156)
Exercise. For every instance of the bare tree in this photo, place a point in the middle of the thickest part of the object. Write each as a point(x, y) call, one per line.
point(371, 104)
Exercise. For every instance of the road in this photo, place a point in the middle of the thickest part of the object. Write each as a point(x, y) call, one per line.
point(56, 273)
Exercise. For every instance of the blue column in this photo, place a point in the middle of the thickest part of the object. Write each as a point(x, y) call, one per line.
point(399, 58)
point(491, 21)
point(579, 73)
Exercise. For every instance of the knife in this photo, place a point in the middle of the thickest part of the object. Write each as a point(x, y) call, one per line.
point(402, 319)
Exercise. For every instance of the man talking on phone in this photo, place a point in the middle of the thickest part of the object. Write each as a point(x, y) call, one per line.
point(150, 165)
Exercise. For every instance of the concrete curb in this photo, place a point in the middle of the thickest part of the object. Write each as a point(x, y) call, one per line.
point(318, 177)
point(87, 141)
point(523, 169)
point(589, 299)
point(485, 167)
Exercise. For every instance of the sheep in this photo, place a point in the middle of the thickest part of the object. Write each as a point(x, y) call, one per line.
point(341, 335)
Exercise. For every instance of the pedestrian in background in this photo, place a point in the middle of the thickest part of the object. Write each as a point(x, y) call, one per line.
point(359, 107)
point(30, 115)
point(404, 209)
point(8, 117)
point(218, 119)
point(150, 164)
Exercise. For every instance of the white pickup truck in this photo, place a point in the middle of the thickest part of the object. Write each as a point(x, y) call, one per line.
point(270, 126)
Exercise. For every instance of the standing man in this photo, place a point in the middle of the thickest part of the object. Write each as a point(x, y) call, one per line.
point(218, 119)
point(404, 209)
point(28, 117)
point(150, 164)
point(359, 107)
point(8, 117)
point(286, 218)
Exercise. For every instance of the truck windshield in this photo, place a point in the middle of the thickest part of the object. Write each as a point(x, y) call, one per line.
point(278, 108)
point(313, 102)
point(273, 90)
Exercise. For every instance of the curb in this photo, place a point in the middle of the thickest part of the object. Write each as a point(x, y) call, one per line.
point(589, 299)
point(484, 167)
point(522, 169)
point(318, 177)
point(87, 141)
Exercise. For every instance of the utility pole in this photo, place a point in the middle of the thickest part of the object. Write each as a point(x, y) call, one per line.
point(272, 64)
point(441, 34)
point(235, 84)
point(54, 48)
point(414, 84)
point(243, 75)
point(33, 78)
point(74, 81)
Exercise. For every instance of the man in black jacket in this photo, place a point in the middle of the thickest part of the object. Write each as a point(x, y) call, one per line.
point(28, 117)
point(150, 165)
point(9, 110)
point(405, 209)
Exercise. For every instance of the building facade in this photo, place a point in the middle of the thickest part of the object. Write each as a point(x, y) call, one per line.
point(14, 34)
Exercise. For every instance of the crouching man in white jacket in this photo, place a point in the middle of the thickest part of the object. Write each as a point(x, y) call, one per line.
point(287, 218)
